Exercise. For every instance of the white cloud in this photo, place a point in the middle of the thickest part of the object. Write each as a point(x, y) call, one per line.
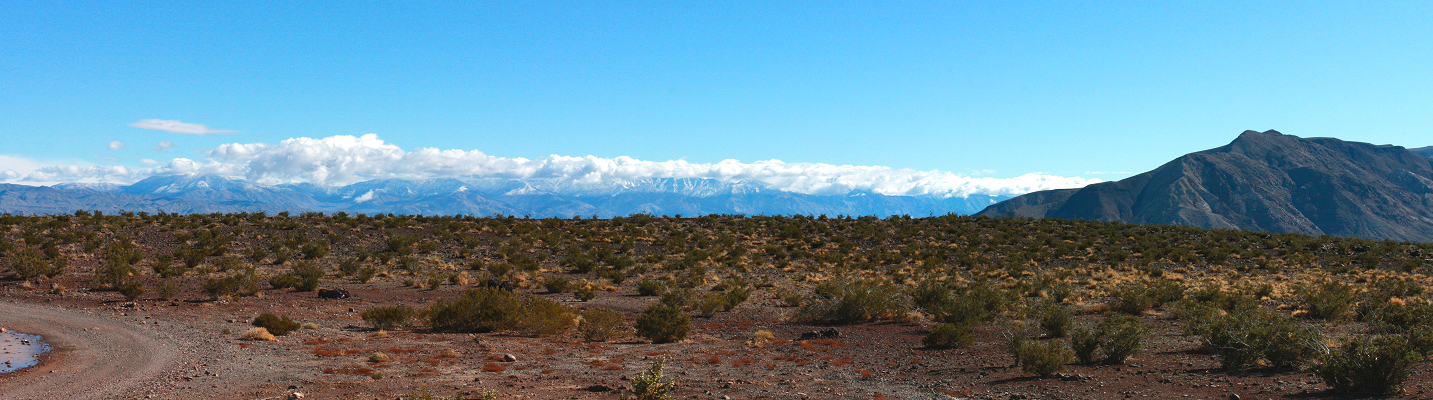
point(116, 145)
point(343, 159)
point(164, 144)
point(173, 126)
point(149, 161)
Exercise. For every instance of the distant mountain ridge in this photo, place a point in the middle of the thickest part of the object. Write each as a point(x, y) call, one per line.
point(488, 196)
point(1263, 181)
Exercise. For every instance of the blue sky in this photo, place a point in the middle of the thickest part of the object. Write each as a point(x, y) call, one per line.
point(1093, 90)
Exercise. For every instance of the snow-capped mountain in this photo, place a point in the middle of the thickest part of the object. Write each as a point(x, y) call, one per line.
point(489, 196)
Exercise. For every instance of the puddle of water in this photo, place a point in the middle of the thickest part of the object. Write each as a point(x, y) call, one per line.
point(18, 350)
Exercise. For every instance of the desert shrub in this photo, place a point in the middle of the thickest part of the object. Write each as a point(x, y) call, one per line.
point(856, 302)
point(1054, 319)
point(366, 274)
point(391, 317)
point(489, 309)
point(166, 289)
point(165, 267)
point(1370, 365)
point(600, 325)
point(649, 385)
point(314, 250)
point(131, 288)
point(538, 316)
point(350, 266)
point(946, 336)
point(478, 310)
point(275, 324)
point(1115, 339)
point(1136, 297)
point(113, 273)
point(584, 294)
point(761, 338)
point(681, 298)
point(1329, 300)
point(663, 323)
point(978, 302)
point(1043, 358)
point(239, 284)
point(1219, 297)
point(557, 284)
point(650, 287)
point(1242, 338)
point(710, 304)
point(283, 281)
point(29, 264)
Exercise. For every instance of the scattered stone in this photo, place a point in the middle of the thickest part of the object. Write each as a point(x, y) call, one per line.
point(509, 358)
point(296, 395)
point(599, 388)
point(332, 294)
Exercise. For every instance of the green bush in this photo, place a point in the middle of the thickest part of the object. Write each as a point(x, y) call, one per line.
point(239, 284)
point(29, 264)
point(557, 284)
point(1330, 300)
point(1364, 365)
point(584, 294)
point(308, 276)
point(277, 325)
point(1043, 358)
point(283, 281)
point(600, 325)
point(856, 302)
point(649, 385)
point(1115, 339)
point(391, 317)
point(1136, 297)
point(650, 287)
point(1240, 339)
point(1054, 319)
point(662, 323)
point(946, 336)
point(490, 309)
point(681, 298)
point(978, 302)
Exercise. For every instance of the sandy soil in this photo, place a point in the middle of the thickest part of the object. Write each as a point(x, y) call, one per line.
point(106, 348)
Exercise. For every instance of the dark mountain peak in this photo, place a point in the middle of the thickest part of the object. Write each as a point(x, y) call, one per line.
point(1263, 181)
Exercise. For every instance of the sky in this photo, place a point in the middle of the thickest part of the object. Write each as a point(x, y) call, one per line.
point(930, 97)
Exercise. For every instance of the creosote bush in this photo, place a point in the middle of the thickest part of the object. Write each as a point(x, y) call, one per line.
point(947, 336)
point(1115, 339)
point(490, 309)
point(392, 317)
point(1242, 338)
point(278, 325)
point(600, 325)
point(1045, 358)
point(663, 323)
point(1369, 365)
point(1329, 300)
point(1136, 297)
point(847, 303)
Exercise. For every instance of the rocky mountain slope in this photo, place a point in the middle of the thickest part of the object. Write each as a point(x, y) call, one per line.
point(1264, 181)
point(482, 197)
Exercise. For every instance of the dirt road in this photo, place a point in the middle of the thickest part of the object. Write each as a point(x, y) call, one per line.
point(94, 357)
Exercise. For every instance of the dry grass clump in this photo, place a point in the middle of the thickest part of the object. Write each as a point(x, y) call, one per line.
point(257, 334)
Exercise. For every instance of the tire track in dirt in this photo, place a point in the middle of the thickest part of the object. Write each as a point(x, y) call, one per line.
point(93, 357)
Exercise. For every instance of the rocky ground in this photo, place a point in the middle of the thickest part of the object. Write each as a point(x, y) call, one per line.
point(190, 348)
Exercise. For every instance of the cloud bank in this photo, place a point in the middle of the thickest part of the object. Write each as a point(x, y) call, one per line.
point(339, 160)
point(173, 126)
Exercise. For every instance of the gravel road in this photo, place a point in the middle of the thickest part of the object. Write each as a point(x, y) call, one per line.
point(94, 357)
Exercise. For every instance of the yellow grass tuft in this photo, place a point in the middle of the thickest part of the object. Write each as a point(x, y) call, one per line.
point(257, 334)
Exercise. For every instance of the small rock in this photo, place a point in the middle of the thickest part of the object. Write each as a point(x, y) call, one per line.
point(509, 358)
point(296, 395)
point(1234, 397)
point(599, 388)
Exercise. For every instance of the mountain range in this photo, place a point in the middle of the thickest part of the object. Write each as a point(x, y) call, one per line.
point(481, 197)
point(1264, 181)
